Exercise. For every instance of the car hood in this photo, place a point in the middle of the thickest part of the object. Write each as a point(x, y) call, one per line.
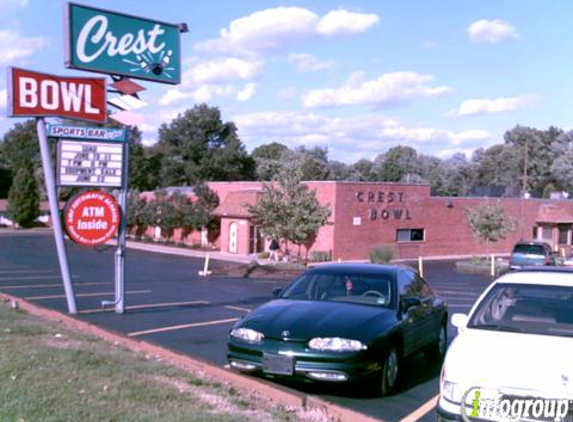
point(307, 319)
point(513, 362)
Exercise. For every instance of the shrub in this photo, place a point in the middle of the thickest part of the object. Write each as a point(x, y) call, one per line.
point(381, 254)
point(320, 256)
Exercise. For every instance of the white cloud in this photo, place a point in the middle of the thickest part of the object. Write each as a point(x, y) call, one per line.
point(201, 94)
point(247, 92)
point(286, 94)
point(274, 29)
point(498, 105)
point(13, 3)
point(346, 138)
point(387, 90)
point(491, 31)
point(308, 63)
point(342, 22)
point(222, 69)
point(14, 46)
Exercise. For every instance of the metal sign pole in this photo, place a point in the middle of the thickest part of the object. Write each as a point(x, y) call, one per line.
point(121, 237)
point(55, 214)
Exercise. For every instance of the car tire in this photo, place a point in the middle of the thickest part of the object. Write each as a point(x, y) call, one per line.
point(437, 350)
point(388, 377)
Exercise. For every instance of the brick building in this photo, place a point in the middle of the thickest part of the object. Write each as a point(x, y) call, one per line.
point(404, 217)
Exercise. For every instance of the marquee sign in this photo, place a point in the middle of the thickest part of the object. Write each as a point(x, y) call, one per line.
point(92, 218)
point(82, 163)
point(108, 42)
point(32, 94)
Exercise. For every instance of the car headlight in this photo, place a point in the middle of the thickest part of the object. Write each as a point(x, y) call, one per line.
point(247, 334)
point(452, 392)
point(336, 344)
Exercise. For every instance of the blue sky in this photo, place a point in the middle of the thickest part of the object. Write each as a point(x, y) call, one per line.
point(357, 77)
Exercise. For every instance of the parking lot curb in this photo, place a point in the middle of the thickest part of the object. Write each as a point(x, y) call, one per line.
point(278, 394)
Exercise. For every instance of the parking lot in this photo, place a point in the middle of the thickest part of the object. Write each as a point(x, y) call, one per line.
point(167, 303)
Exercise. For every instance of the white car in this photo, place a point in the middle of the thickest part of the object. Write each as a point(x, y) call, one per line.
point(513, 356)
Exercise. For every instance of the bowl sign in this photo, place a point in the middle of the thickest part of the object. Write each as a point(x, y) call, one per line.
point(39, 94)
point(108, 42)
point(92, 218)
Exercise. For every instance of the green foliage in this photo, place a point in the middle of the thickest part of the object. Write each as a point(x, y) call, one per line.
point(320, 256)
point(489, 222)
point(288, 210)
point(23, 198)
point(137, 217)
point(162, 212)
point(381, 254)
point(197, 146)
point(5, 181)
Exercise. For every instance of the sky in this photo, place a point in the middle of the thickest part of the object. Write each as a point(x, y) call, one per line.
point(355, 76)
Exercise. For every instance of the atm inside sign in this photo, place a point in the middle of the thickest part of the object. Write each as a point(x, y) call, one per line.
point(39, 94)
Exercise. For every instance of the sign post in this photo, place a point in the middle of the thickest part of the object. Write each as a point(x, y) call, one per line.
point(55, 213)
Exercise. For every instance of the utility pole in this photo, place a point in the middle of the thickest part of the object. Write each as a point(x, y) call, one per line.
point(525, 167)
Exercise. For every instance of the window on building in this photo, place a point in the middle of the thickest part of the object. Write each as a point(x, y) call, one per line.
point(409, 235)
point(546, 233)
point(563, 233)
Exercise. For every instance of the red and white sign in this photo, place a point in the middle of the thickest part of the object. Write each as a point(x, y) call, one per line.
point(92, 218)
point(39, 94)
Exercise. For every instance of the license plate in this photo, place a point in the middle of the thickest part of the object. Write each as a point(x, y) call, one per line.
point(278, 364)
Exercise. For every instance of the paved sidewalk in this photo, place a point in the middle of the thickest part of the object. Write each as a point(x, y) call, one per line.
point(174, 250)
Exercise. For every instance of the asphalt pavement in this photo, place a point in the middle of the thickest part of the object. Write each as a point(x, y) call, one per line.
point(168, 303)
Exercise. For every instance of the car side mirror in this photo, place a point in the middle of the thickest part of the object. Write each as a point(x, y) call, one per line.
point(460, 321)
point(277, 291)
point(410, 302)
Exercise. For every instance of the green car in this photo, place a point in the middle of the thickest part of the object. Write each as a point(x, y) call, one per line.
point(341, 323)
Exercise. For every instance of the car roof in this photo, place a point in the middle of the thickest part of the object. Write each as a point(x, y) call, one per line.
point(532, 242)
point(547, 276)
point(360, 268)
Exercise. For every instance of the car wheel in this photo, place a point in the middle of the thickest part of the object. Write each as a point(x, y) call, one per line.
point(390, 371)
point(437, 351)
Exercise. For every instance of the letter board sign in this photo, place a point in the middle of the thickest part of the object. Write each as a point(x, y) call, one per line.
point(87, 163)
point(34, 94)
point(108, 42)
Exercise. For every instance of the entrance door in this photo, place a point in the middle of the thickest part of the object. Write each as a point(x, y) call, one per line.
point(233, 229)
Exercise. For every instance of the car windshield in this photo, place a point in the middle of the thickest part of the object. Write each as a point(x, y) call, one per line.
point(529, 249)
point(364, 289)
point(533, 309)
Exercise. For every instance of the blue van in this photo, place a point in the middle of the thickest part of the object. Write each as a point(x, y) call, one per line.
point(532, 253)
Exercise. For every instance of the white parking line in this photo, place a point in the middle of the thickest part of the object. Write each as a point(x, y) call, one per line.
point(24, 271)
point(237, 308)
point(33, 286)
point(422, 410)
point(34, 277)
point(132, 292)
point(182, 326)
point(148, 306)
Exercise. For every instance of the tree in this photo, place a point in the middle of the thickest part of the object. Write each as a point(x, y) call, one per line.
point(137, 217)
point(268, 160)
point(200, 214)
point(289, 210)
point(534, 148)
point(197, 145)
point(23, 198)
point(562, 168)
point(162, 212)
point(397, 164)
point(489, 222)
point(313, 163)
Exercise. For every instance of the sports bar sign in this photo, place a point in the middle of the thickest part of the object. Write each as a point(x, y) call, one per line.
point(34, 94)
point(108, 42)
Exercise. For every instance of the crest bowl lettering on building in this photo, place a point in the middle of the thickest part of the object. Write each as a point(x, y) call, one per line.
point(393, 201)
point(109, 42)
